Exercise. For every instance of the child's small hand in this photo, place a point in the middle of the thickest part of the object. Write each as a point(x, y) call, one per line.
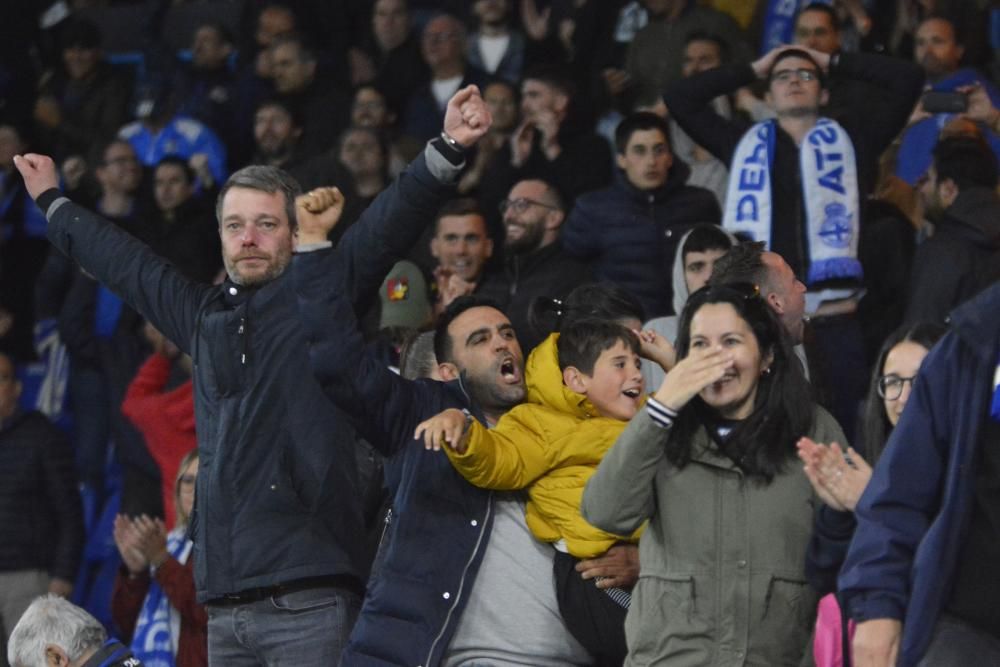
point(447, 427)
point(656, 348)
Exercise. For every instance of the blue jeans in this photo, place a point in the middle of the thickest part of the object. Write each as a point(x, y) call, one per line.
point(305, 628)
point(957, 644)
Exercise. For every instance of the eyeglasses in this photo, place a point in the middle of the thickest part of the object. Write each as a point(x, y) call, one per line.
point(521, 205)
point(786, 75)
point(890, 387)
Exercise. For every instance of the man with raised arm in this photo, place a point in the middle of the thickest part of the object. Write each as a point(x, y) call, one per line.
point(277, 525)
point(798, 182)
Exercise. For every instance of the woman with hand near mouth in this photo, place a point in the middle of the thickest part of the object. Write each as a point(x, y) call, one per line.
point(710, 463)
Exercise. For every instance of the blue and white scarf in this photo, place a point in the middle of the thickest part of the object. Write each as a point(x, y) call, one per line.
point(159, 625)
point(829, 191)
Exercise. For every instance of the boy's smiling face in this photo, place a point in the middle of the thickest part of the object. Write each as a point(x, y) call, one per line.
point(616, 386)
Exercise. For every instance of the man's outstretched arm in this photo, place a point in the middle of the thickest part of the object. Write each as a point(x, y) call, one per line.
point(395, 221)
point(125, 265)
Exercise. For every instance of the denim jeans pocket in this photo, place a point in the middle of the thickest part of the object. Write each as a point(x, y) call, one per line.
point(311, 599)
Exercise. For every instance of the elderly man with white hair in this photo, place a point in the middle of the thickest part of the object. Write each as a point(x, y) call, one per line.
point(56, 633)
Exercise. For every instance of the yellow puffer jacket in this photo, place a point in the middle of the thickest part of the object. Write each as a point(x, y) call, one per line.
point(550, 445)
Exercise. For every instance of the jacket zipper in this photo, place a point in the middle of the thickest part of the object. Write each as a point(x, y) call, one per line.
point(461, 583)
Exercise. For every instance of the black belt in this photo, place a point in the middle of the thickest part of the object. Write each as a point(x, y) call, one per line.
point(343, 581)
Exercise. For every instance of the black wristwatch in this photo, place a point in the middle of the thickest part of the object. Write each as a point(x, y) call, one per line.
point(448, 146)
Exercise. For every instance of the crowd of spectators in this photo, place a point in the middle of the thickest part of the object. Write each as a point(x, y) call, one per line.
point(650, 171)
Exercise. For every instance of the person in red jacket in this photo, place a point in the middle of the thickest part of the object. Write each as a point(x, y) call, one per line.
point(163, 411)
point(153, 601)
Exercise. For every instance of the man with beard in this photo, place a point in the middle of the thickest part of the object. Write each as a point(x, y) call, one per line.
point(278, 534)
point(277, 132)
point(460, 580)
point(960, 196)
point(938, 51)
point(534, 264)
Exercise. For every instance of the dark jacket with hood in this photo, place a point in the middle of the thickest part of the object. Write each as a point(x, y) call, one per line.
point(956, 263)
point(631, 235)
point(277, 497)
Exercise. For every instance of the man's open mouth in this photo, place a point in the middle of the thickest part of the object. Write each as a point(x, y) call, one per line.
point(508, 371)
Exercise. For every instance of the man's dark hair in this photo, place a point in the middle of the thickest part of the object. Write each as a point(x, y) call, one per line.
point(294, 111)
point(552, 196)
point(80, 33)
point(263, 178)
point(98, 149)
point(797, 53)
point(459, 207)
point(743, 263)
point(416, 357)
point(637, 122)
point(937, 16)
point(556, 76)
point(823, 9)
point(444, 346)
point(967, 161)
point(221, 29)
point(703, 36)
point(180, 162)
point(581, 343)
point(307, 53)
point(706, 237)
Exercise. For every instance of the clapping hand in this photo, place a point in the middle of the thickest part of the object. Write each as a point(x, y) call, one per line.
point(151, 539)
point(839, 478)
point(126, 539)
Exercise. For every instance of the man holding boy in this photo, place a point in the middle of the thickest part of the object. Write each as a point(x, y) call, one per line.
point(585, 384)
point(455, 560)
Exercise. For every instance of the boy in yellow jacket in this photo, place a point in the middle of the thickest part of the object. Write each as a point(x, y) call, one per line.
point(583, 386)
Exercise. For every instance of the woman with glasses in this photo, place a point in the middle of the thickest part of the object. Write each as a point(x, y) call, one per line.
point(841, 475)
point(154, 596)
point(710, 463)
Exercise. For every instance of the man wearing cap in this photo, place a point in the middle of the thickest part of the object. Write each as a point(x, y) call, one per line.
point(277, 523)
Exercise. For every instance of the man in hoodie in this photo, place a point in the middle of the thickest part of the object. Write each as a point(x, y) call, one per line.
point(960, 194)
point(630, 230)
point(697, 253)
